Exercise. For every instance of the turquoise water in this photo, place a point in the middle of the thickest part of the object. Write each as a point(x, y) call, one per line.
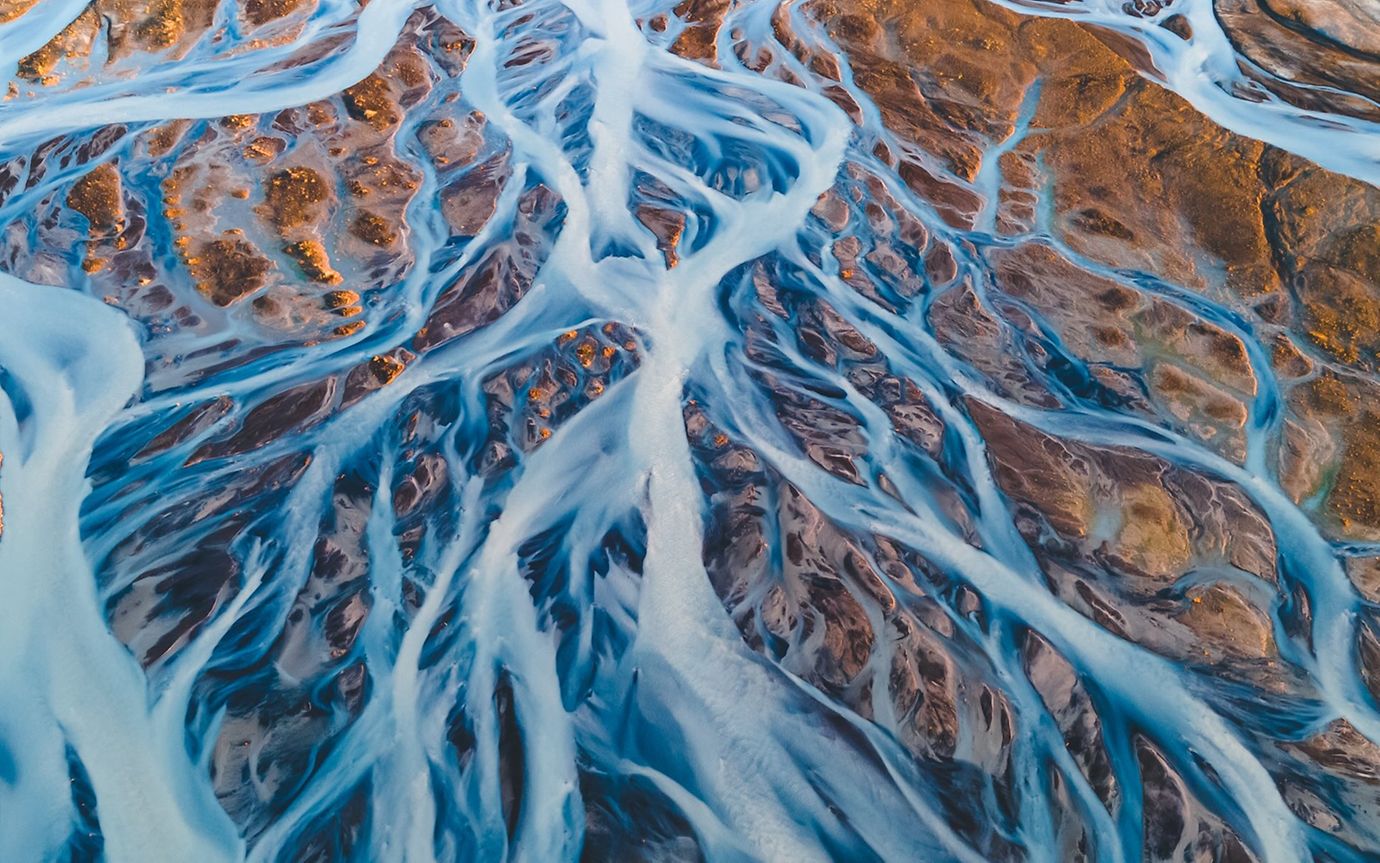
point(259, 604)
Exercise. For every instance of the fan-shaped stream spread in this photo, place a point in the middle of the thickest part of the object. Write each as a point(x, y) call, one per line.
point(737, 430)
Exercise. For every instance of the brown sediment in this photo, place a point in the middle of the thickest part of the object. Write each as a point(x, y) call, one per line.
point(198, 420)
point(1355, 496)
point(264, 149)
point(1129, 526)
point(1154, 531)
point(162, 139)
point(702, 19)
point(227, 270)
point(259, 12)
point(1324, 54)
point(469, 201)
point(164, 24)
point(1173, 817)
point(1153, 516)
point(155, 25)
point(341, 299)
point(373, 229)
point(311, 256)
point(386, 368)
point(1135, 178)
point(302, 407)
point(371, 101)
point(237, 122)
point(1138, 178)
point(1227, 624)
point(452, 143)
point(128, 27)
point(969, 329)
point(1191, 400)
point(1286, 358)
point(295, 197)
point(1187, 196)
point(12, 9)
point(1331, 448)
point(98, 197)
point(667, 226)
point(74, 41)
point(1342, 315)
point(374, 374)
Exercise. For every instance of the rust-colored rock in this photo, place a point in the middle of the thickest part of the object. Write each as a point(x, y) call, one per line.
point(227, 270)
point(295, 197)
point(98, 197)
